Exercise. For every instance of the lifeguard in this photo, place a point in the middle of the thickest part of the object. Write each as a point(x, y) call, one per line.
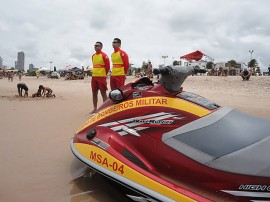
point(101, 67)
point(120, 67)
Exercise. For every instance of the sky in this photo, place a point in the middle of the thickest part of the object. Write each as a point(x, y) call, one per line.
point(64, 31)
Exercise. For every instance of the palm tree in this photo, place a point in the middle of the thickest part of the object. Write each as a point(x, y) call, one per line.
point(176, 63)
point(209, 65)
point(253, 63)
point(232, 63)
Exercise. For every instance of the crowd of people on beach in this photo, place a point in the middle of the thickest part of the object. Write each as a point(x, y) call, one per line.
point(23, 89)
point(10, 74)
point(74, 76)
point(101, 68)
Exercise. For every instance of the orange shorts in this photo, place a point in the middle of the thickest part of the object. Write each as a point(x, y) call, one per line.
point(117, 81)
point(99, 83)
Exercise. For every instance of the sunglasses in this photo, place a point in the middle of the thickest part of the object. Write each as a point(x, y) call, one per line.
point(115, 42)
point(97, 45)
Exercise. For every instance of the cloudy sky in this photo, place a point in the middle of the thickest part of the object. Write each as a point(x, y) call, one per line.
point(64, 31)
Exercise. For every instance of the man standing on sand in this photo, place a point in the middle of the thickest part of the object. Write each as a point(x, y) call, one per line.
point(20, 75)
point(120, 67)
point(149, 70)
point(101, 67)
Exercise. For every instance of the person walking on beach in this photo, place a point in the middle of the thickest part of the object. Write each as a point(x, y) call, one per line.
point(20, 75)
point(21, 87)
point(101, 67)
point(149, 70)
point(11, 76)
point(120, 67)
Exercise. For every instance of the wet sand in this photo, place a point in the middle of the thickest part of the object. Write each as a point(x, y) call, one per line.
point(36, 163)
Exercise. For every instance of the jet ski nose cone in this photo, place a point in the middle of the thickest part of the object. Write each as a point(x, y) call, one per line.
point(90, 134)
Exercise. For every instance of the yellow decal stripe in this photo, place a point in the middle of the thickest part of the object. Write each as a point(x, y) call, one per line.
point(146, 102)
point(102, 158)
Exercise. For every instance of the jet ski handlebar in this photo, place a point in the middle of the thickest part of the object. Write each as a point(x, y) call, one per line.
point(162, 71)
point(172, 77)
point(168, 70)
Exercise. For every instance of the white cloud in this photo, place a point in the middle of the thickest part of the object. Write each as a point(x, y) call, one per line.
point(65, 31)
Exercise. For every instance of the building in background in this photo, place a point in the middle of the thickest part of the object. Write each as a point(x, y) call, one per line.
point(201, 64)
point(20, 61)
point(31, 68)
point(1, 63)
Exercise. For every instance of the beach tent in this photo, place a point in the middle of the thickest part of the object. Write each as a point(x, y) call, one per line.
point(68, 67)
point(76, 69)
point(196, 55)
point(44, 69)
point(89, 69)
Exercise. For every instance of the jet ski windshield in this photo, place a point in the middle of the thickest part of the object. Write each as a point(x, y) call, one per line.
point(227, 140)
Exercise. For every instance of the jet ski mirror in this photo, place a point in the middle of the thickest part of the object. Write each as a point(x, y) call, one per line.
point(116, 95)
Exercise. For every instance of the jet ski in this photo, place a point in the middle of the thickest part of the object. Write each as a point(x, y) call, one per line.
point(167, 144)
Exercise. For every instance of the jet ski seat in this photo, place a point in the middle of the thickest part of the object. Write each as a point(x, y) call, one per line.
point(227, 140)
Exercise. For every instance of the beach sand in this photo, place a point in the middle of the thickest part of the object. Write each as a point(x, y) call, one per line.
point(36, 163)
